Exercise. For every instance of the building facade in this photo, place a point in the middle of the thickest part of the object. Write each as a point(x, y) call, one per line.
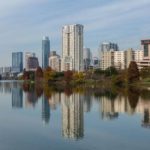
point(107, 46)
point(17, 62)
point(87, 58)
point(55, 61)
point(107, 59)
point(119, 59)
point(45, 51)
point(31, 61)
point(72, 47)
point(107, 54)
point(145, 62)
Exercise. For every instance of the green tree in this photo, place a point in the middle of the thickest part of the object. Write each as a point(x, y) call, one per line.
point(133, 72)
point(111, 71)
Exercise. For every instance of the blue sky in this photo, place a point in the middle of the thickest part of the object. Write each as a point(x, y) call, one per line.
point(23, 23)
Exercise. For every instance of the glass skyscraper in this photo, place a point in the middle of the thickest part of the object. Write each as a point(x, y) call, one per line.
point(17, 62)
point(45, 51)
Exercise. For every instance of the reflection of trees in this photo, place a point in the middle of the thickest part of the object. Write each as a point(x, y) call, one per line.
point(68, 91)
point(145, 94)
point(47, 91)
point(30, 93)
point(38, 90)
point(133, 97)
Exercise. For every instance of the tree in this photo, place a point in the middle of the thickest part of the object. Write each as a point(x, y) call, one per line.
point(39, 73)
point(25, 75)
point(79, 77)
point(68, 76)
point(111, 71)
point(133, 72)
point(48, 74)
point(145, 72)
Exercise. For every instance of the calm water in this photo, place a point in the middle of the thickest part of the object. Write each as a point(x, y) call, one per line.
point(72, 119)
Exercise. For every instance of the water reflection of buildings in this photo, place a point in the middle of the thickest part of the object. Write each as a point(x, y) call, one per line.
point(87, 102)
point(54, 100)
point(5, 87)
point(45, 110)
point(72, 116)
point(17, 98)
point(110, 109)
point(30, 98)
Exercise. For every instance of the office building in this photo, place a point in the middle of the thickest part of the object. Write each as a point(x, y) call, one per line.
point(72, 47)
point(55, 61)
point(27, 55)
point(145, 62)
point(31, 61)
point(107, 46)
point(45, 51)
point(86, 58)
point(17, 62)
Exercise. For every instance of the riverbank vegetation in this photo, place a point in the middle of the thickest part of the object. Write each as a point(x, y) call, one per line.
point(93, 77)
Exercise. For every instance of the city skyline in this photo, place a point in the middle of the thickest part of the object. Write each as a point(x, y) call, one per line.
point(122, 22)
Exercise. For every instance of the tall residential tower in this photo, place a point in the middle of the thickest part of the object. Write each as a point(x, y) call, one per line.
point(72, 47)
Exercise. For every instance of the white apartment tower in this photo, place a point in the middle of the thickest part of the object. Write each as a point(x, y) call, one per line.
point(119, 59)
point(72, 47)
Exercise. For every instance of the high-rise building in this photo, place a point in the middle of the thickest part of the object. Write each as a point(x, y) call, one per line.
point(107, 46)
point(138, 55)
point(145, 62)
point(17, 62)
point(107, 54)
point(129, 56)
point(107, 59)
point(96, 62)
point(119, 59)
point(72, 47)
point(55, 61)
point(27, 55)
point(45, 51)
point(86, 58)
point(31, 61)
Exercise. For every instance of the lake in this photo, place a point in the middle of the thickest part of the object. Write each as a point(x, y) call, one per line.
point(38, 118)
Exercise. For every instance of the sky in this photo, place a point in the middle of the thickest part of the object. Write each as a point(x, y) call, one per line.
point(23, 23)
